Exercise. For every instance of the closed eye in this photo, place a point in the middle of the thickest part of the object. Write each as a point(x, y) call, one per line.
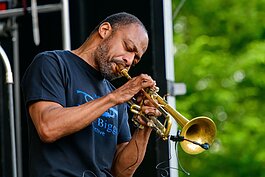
point(130, 47)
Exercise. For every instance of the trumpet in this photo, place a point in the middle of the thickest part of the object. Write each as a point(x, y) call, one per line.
point(197, 134)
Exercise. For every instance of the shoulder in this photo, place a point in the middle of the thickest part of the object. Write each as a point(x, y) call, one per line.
point(55, 54)
point(55, 58)
point(46, 62)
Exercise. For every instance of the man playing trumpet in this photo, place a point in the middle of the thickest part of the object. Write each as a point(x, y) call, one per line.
point(78, 122)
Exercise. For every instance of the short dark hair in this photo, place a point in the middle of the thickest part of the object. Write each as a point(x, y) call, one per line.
point(120, 19)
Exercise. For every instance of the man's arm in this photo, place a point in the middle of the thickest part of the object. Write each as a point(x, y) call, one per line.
point(130, 155)
point(53, 121)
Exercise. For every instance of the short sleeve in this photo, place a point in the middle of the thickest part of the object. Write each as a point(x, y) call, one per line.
point(43, 80)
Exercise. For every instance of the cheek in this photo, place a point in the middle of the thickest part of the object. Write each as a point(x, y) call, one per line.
point(116, 49)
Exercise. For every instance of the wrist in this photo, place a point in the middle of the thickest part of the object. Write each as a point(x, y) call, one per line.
point(113, 99)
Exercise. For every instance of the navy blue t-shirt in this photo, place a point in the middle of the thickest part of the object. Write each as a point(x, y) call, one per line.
point(62, 77)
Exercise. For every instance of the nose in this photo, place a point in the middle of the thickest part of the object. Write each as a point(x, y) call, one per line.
point(128, 58)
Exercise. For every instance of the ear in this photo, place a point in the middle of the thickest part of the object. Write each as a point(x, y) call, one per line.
point(105, 29)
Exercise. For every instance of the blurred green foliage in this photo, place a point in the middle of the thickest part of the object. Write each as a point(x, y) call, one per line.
point(220, 56)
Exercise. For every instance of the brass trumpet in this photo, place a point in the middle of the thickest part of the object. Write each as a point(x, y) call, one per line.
point(197, 134)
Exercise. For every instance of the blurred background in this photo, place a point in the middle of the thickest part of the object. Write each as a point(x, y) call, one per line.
point(218, 58)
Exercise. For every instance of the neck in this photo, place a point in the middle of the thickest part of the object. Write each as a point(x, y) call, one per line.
point(86, 51)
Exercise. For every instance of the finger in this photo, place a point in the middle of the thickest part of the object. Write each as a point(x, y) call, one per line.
point(147, 83)
point(146, 80)
point(139, 97)
point(147, 103)
point(140, 120)
point(151, 111)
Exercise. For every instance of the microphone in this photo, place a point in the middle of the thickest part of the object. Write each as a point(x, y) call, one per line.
point(180, 138)
point(205, 146)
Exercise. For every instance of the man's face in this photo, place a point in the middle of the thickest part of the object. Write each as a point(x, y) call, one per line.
point(124, 47)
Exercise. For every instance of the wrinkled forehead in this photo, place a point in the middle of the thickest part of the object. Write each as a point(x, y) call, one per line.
point(136, 34)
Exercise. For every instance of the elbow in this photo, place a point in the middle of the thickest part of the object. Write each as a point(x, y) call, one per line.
point(47, 139)
point(46, 135)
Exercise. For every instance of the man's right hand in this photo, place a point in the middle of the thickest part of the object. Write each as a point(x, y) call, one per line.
point(131, 88)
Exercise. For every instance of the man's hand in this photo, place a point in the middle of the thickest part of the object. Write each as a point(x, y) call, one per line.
point(134, 86)
point(146, 108)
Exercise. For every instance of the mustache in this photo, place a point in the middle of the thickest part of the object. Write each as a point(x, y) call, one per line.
point(121, 64)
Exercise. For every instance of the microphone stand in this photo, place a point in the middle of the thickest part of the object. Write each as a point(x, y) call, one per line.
point(180, 138)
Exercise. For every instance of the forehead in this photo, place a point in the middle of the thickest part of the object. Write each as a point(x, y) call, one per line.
point(135, 34)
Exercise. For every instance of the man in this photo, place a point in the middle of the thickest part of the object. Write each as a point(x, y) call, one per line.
point(78, 123)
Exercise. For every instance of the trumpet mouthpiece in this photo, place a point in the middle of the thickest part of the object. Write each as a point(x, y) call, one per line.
point(121, 70)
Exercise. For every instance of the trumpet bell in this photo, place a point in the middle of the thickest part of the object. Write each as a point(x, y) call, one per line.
point(199, 129)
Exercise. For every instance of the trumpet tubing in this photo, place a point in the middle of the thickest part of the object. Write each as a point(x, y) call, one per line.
point(200, 129)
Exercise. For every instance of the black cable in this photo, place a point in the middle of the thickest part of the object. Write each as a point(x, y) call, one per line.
point(164, 170)
point(137, 149)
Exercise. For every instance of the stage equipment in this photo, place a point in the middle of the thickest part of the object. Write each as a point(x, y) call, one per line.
point(11, 25)
point(35, 22)
point(197, 134)
point(10, 82)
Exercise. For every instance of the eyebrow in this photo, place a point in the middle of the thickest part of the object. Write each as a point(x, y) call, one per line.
point(134, 48)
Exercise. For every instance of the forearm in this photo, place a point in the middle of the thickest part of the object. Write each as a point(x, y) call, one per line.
point(130, 157)
point(53, 121)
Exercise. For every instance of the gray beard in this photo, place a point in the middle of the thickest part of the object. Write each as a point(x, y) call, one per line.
point(104, 62)
point(107, 73)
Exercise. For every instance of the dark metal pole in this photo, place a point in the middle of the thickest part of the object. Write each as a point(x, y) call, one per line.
point(66, 25)
point(9, 82)
point(17, 95)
